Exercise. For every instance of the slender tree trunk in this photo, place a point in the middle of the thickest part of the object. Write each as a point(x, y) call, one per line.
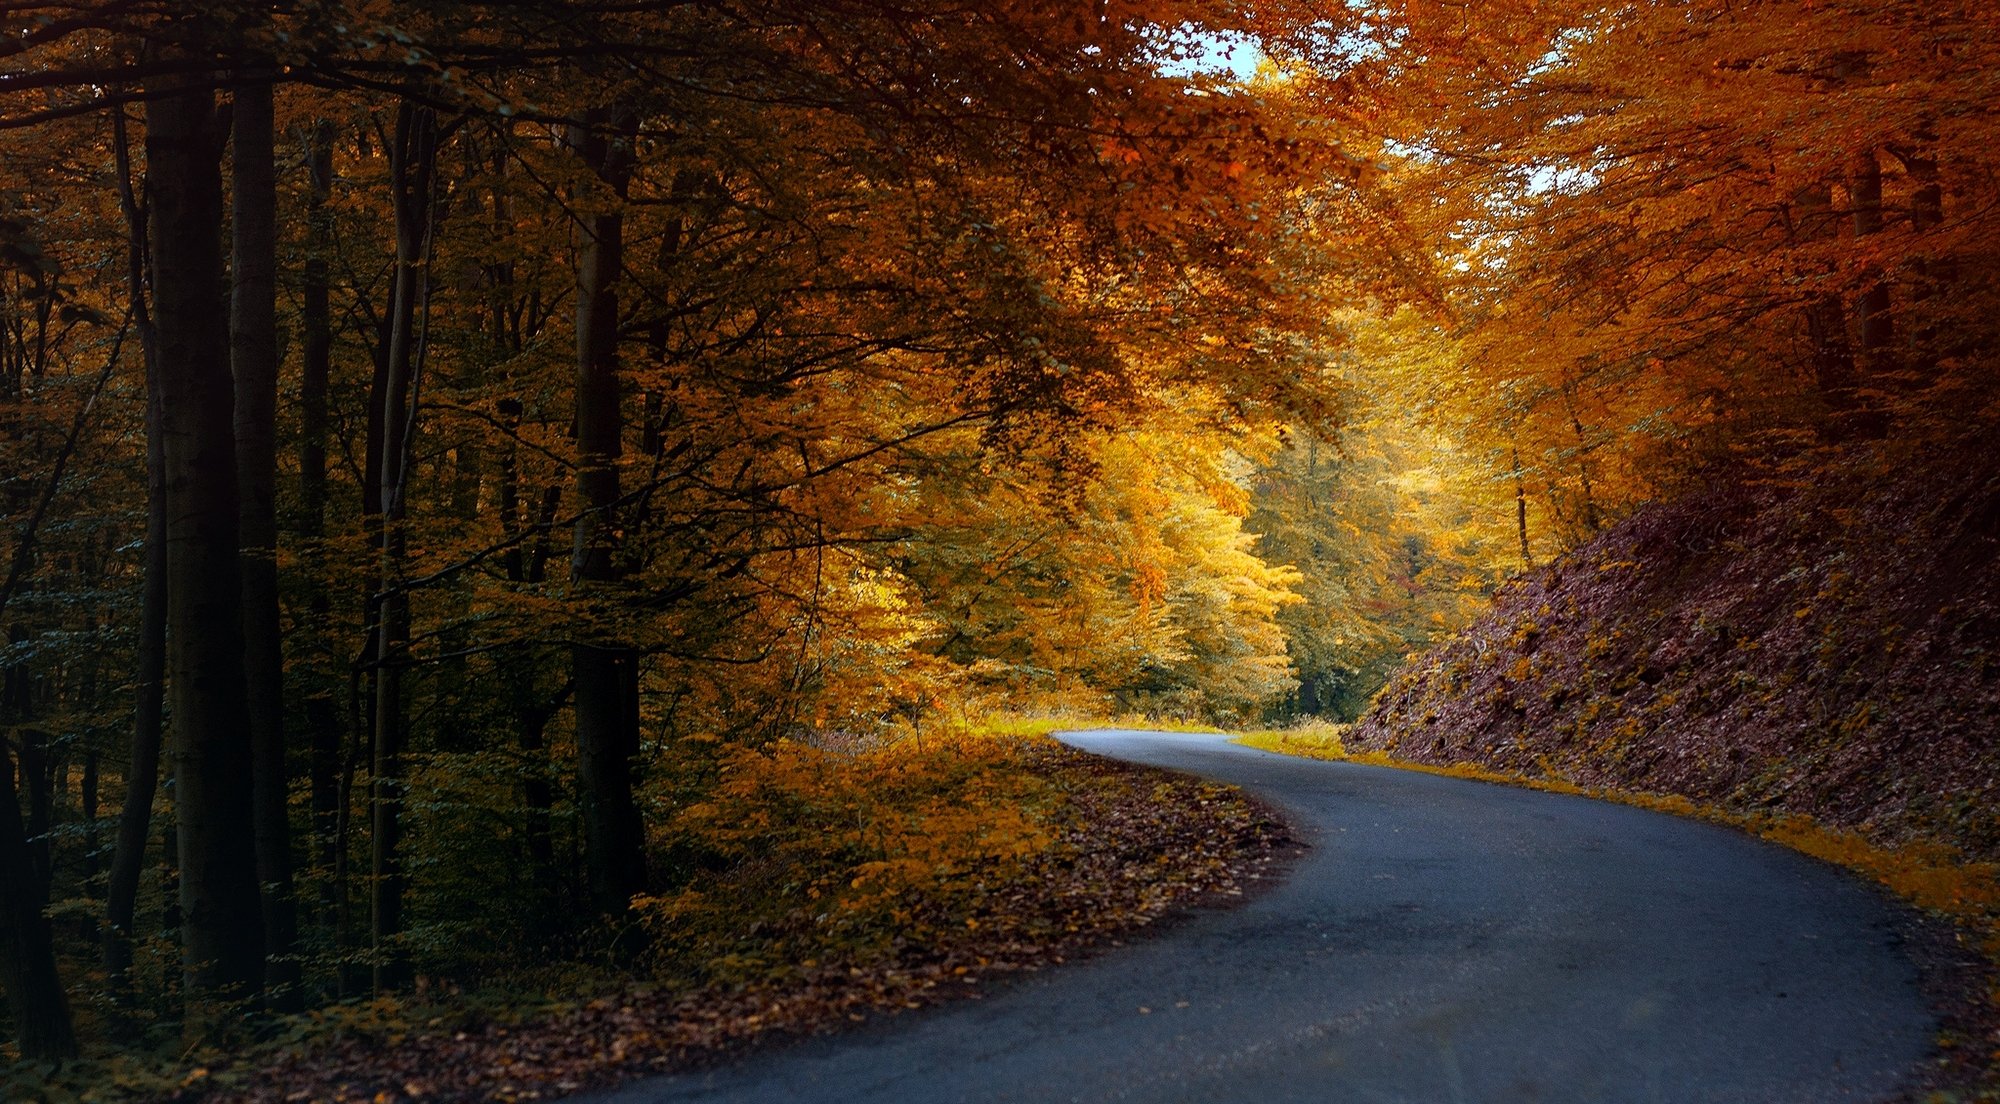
point(1832, 358)
point(531, 717)
point(350, 979)
point(1593, 518)
point(1521, 509)
point(316, 324)
point(253, 354)
point(142, 771)
point(221, 918)
point(606, 673)
point(316, 321)
point(35, 777)
point(1929, 275)
point(1876, 323)
point(413, 167)
point(87, 797)
point(42, 1025)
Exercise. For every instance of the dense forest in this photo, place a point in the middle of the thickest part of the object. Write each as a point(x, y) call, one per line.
point(460, 459)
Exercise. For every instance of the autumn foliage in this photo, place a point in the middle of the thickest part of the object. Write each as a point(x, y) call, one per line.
point(566, 475)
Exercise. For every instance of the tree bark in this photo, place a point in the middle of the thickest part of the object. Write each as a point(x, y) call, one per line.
point(1521, 510)
point(43, 1028)
point(606, 672)
point(142, 771)
point(1929, 274)
point(221, 918)
point(253, 356)
point(316, 321)
point(1826, 328)
point(1873, 311)
point(413, 165)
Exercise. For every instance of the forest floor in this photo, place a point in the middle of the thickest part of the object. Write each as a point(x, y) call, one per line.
point(1126, 847)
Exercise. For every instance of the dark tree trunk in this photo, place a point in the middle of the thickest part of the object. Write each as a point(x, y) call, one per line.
point(1929, 275)
point(35, 777)
point(531, 717)
point(316, 320)
point(1875, 321)
point(606, 673)
point(1591, 515)
point(413, 165)
point(142, 771)
point(1521, 510)
point(42, 1024)
point(87, 797)
point(221, 918)
point(253, 356)
point(1831, 356)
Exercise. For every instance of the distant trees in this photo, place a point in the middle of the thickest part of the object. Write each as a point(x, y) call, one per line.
point(1137, 592)
point(1675, 231)
point(1397, 530)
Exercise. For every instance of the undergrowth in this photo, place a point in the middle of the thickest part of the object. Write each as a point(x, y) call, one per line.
point(805, 887)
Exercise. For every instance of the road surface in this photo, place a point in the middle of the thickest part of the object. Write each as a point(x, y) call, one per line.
point(1443, 941)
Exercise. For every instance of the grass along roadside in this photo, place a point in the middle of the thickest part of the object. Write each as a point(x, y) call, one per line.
point(1048, 724)
point(1932, 876)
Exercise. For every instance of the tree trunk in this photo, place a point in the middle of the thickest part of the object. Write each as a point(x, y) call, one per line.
point(1593, 518)
point(531, 716)
point(1929, 274)
point(1831, 356)
point(221, 919)
point(316, 320)
point(142, 771)
point(413, 165)
point(1521, 510)
point(606, 673)
point(42, 1024)
point(253, 356)
point(87, 796)
point(1876, 323)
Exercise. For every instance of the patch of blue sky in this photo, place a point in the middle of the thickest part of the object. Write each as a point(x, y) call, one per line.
point(1217, 54)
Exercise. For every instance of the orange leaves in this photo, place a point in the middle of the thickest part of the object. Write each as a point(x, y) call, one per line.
point(1121, 152)
point(1624, 204)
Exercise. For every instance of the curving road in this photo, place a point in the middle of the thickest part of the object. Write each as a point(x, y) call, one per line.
point(1443, 941)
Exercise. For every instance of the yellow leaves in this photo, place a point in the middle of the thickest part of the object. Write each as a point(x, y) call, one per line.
point(1149, 586)
point(865, 835)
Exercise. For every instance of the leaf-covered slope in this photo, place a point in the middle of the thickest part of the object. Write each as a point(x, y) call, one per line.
point(1830, 647)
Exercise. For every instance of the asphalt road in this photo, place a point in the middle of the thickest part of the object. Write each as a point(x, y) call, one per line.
point(1443, 941)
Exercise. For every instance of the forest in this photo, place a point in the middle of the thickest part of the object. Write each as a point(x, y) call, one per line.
point(501, 496)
